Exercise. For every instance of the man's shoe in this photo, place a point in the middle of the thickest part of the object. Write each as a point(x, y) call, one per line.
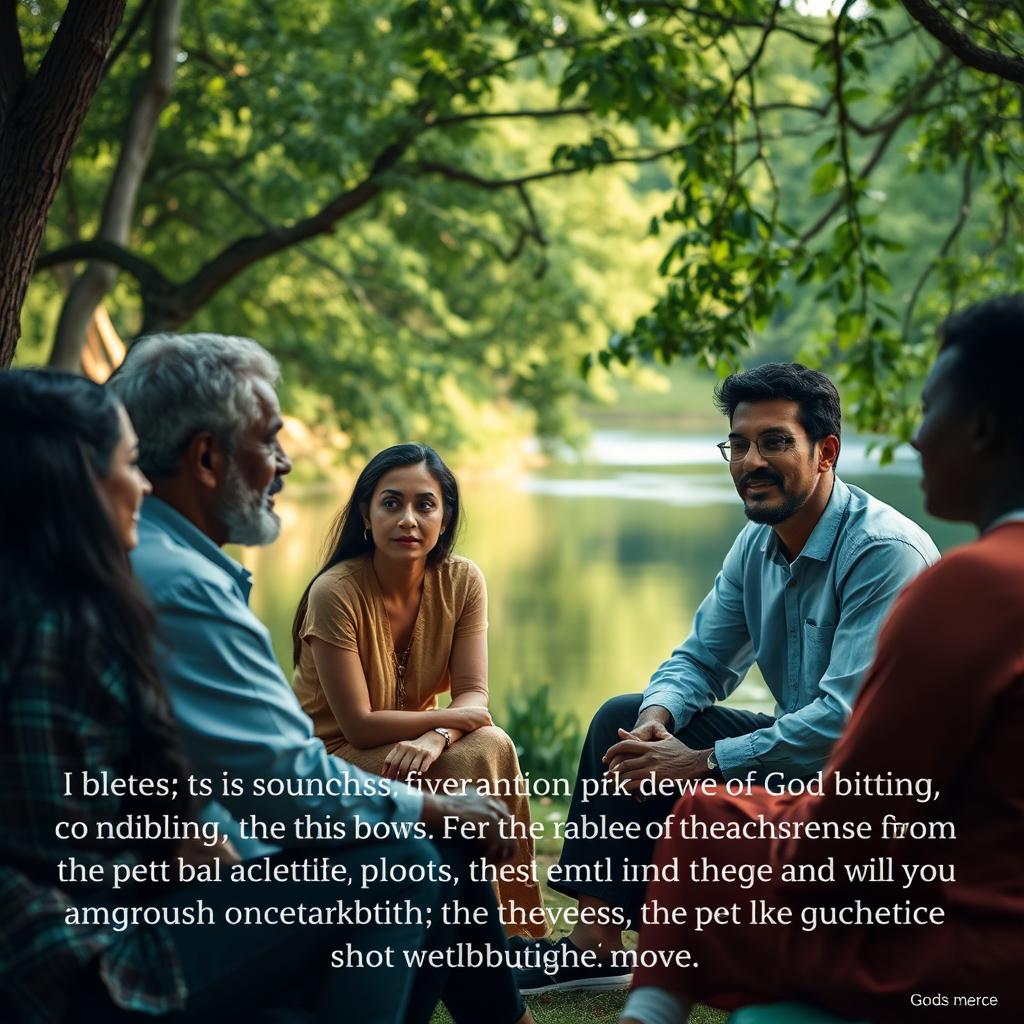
point(559, 970)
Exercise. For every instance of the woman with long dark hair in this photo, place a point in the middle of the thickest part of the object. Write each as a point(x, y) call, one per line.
point(79, 693)
point(96, 927)
point(392, 620)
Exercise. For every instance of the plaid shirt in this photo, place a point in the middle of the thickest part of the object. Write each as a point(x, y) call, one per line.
point(51, 724)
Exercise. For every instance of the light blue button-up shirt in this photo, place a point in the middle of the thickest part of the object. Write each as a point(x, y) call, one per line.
point(811, 626)
point(237, 713)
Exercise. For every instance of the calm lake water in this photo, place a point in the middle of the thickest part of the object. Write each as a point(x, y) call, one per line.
point(594, 568)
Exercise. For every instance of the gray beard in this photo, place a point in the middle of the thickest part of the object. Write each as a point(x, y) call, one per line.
point(244, 513)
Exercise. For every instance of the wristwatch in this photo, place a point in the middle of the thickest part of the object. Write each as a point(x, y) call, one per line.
point(712, 763)
point(447, 736)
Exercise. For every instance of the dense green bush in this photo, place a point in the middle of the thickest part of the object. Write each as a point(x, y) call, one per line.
point(547, 741)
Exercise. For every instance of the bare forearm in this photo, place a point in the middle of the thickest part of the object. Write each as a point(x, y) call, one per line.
point(475, 697)
point(379, 727)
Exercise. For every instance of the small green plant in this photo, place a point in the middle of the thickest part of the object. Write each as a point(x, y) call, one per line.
point(547, 741)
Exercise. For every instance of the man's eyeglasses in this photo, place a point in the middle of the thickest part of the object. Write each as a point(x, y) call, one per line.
point(771, 446)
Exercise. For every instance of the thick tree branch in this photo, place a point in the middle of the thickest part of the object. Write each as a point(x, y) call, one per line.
point(961, 45)
point(153, 92)
point(140, 132)
point(987, 13)
point(172, 309)
point(146, 273)
point(310, 254)
point(36, 136)
point(12, 59)
point(168, 305)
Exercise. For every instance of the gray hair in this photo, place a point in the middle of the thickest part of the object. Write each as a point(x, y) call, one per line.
point(175, 386)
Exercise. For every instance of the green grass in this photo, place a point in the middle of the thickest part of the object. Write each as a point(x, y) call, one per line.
point(577, 1007)
point(603, 1008)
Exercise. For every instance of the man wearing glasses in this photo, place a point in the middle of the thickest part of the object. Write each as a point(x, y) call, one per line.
point(803, 592)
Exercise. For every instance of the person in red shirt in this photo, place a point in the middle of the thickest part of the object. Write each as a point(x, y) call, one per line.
point(926, 778)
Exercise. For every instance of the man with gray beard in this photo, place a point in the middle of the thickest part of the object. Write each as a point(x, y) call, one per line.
point(207, 416)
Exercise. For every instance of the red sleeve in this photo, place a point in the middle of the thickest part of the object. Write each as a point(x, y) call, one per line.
point(953, 644)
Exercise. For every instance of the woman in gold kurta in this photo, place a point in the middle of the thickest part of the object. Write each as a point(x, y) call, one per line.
point(393, 620)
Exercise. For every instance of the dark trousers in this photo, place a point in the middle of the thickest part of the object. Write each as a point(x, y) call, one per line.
point(714, 723)
point(282, 974)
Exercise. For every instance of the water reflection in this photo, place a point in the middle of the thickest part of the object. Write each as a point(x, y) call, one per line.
point(695, 490)
point(594, 568)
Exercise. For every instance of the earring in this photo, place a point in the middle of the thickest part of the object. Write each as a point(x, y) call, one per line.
point(366, 533)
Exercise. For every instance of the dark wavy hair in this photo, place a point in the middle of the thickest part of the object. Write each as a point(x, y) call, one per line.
point(61, 553)
point(820, 412)
point(346, 540)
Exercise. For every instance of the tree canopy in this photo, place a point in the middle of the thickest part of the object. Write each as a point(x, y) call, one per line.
point(424, 206)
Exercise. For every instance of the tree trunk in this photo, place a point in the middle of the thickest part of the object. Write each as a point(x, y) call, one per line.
point(97, 279)
point(42, 119)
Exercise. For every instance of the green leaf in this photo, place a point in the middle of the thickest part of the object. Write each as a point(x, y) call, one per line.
point(825, 177)
point(824, 149)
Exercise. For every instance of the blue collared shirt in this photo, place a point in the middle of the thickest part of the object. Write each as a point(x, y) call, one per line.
point(237, 713)
point(811, 626)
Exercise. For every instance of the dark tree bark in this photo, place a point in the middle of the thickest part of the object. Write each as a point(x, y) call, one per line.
point(992, 62)
point(41, 118)
point(166, 305)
